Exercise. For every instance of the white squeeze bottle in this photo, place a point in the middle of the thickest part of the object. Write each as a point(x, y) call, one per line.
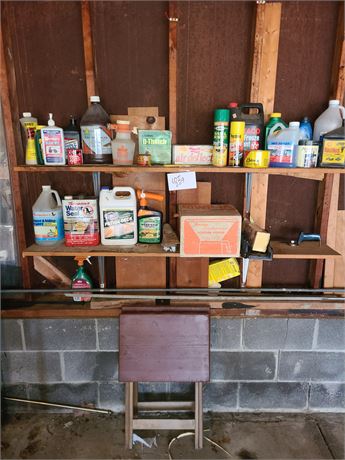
point(47, 216)
point(283, 146)
point(53, 146)
point(329, 120)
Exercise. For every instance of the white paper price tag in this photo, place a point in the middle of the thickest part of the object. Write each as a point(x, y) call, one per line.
point(181, 181)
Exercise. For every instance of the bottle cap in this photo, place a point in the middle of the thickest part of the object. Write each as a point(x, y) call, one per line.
point(305, 120)
point(105, 187)
point(275, 115)
point(222, 115)
point(46, 187)
point(68, 197)
point(294, 124)
point(334, 102)
point(26, 114)
point(232, 105)
point(51, 122)
point(122, 126)
point(95, 99)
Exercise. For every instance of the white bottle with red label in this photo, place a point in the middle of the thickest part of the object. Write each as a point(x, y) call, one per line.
point(53, 146)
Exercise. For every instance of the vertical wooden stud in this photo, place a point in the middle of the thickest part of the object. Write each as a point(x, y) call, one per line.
point(338, 71)
point(13, 143)
point(129, 415)
point(88, 49)
point(263, 81)
point(198, 416)
point(331, 231)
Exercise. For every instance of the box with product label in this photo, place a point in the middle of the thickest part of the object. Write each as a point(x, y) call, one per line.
point(222, 270)
point(192, 154)
point(157, 143)
point(209, 231)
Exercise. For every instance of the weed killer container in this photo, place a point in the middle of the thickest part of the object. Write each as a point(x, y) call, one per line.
point(329, 119)
point(118, 216)
point(283, 146)
point(47, 216)
point(81, 280)
point(96, 137)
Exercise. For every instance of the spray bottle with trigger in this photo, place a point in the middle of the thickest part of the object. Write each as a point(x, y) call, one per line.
point(150, 221)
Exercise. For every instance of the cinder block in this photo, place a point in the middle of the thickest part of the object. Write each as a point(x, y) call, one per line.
point(11, 336)
point(31, 367)
point(112, 396)
point(64, 393)
point(225, 333)
point(331, 334)
point(264, 334)
point(108, 334)
point(155, 391)
point(220, 396)
point(304, 365)
point(90, 366)
point(300, 334)
point(179, 391)
point(60, 334)
point(327, 396)
point(242, 365)
point(273, 395)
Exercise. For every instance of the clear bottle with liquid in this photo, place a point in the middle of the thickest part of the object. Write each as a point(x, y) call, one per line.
point(95, 135)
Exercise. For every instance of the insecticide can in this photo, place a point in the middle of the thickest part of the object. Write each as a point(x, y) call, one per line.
point(236, 144)
point(307, 154)
point(220, 137)
point(118, 216)
point(80, 217)
point(257, 159)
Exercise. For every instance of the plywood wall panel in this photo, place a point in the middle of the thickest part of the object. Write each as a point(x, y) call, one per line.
point(214, 49)
point(307, 41)
point(131, 54)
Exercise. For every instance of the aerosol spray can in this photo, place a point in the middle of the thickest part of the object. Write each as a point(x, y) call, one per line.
point(236, 145)
point(220, 137)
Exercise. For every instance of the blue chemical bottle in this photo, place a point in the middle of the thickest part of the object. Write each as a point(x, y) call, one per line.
point(305, 129)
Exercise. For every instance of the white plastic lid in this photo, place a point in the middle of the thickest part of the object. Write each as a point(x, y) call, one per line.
point(46, 187)
point(294, 124)
point(68, 197)
point(122, 122)
point(26, 114)
point(95, 99)
point(334, 102)
point(51, 122)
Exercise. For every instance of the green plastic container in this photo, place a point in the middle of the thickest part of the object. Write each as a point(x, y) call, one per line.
point(275, 123)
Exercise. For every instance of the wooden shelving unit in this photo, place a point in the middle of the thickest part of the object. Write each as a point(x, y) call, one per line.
point(111, 169)
point(281, 250)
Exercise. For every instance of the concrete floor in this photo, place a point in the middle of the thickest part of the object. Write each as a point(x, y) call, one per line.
point(245, 436)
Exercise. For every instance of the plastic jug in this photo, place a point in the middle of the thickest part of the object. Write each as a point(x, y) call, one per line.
point(329, 120)
point(283, 146)
point(275, 123)
point(96, 137)
point(47, 215)
point(254, 128)
point(123, 146)
point(118, 216)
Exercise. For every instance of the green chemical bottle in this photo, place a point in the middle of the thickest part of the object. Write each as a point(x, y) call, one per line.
point(221, 137)
point(150, 221)
point(81, 280)
point(275, 123)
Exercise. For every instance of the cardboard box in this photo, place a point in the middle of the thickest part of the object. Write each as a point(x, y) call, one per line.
point(209, 231)
point(192, 154)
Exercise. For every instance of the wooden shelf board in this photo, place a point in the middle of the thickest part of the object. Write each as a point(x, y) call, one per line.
point(60, 250)
point(307, 250)
point(281, 250)
point(111, 169)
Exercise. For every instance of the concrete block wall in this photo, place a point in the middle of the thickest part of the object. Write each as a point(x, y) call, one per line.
point(294, 365)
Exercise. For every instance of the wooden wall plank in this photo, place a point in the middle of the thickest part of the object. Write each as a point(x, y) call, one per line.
point(339, 269)
point(173, 24)
point(332, 231)
point(264, 71)
point(338, 70)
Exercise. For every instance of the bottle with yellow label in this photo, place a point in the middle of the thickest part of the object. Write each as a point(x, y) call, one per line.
point(30, 150)
point(220, 137)
point(333, 149)
point(236, 144)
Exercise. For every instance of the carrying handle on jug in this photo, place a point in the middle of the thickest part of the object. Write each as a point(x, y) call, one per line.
point(253, 105)
point(130, 191)
point(57, 198)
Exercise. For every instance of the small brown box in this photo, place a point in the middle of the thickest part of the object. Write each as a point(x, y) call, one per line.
point(164, 347)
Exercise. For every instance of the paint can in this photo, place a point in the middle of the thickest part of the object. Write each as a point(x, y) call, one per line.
point(307, 154)
point(236, 144)
point(257, 159)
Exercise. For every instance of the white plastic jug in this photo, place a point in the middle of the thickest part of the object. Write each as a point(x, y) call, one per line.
point(118, 216)
point(47, 215)
point(329, 120)
point(283, 146)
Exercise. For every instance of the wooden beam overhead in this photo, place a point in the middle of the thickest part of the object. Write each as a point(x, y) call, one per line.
point(88, 49)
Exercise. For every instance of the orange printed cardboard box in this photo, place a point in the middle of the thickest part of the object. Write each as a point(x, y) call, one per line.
point(209, 231)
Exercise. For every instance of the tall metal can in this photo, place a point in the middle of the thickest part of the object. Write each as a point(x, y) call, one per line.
point(236, 145)
point(220, 137)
